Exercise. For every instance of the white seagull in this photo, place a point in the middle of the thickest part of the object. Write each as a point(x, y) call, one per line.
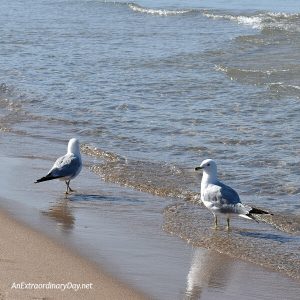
point(66, 167)
point(220, 198)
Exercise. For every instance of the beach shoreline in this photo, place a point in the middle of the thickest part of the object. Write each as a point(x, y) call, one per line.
point(34, 266)
point(112, 233)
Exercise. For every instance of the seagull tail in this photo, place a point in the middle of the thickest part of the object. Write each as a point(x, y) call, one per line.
point(254, 211)
point(47, 177)
point(257, 211)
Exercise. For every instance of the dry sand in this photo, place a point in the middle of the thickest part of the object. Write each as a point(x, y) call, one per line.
point(28, 257)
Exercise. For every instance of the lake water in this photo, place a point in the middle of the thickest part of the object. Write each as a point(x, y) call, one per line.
point(151, 88)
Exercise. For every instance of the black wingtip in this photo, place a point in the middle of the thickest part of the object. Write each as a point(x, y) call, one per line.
point(45, 178)
point(48, 177)
point(257, 211)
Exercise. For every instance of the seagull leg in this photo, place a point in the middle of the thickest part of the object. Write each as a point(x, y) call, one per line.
point(216, 221)
point(228, 223)
point(68, 187)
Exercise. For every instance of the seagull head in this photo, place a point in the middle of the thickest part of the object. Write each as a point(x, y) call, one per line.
point(73, 146)
point(209, 167)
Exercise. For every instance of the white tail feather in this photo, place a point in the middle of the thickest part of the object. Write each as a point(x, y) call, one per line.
point(249, 217)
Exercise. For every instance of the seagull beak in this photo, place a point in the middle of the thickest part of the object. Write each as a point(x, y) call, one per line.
point(198, 168)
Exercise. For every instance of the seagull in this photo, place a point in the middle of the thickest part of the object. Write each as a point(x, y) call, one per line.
point(220, 198)
point(66, 167)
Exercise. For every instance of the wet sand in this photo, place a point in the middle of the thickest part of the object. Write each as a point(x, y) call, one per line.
point(29, 259)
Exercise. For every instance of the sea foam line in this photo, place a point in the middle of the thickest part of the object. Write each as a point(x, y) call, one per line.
point(224, 69)
point(159, 12)
point(284, 86)
point(281, 21)
point(255, 21)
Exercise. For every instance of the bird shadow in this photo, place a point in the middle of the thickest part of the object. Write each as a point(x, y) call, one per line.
point(266, 236)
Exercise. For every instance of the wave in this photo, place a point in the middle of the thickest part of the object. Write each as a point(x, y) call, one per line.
point(159, 179)
point(259, 20)
point(251, 76)
point(7, 92)
point(283, 86)
point(11, 111)
point(159, 12)
point(264, 77)
point(268, 20)
point(254, 21)
point(256, 72)
point(164, 12)
point(285, 89)
point(228, 70)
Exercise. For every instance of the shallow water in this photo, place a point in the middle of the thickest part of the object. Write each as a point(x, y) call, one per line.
point(153, 88)
point(121, 229)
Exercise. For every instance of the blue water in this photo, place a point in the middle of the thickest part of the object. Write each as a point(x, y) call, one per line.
point(289, 6)
point(151, 88)
point(172, 84)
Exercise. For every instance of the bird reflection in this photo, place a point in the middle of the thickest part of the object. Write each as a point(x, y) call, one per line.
point(208, 269)
point(62, 214)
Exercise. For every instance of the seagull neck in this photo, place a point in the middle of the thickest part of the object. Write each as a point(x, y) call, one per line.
point(209, 178)
point(73, 150)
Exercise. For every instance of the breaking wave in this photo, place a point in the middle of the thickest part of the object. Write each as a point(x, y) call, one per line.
point(159, 12)
point(150, 177)
point(269, 20)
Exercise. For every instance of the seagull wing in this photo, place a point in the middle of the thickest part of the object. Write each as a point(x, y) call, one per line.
point(68, 165)
point(224, 198)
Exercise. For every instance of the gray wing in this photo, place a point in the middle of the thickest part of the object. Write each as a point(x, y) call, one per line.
point(224, 198)
point(228, 194)
point(66, 166)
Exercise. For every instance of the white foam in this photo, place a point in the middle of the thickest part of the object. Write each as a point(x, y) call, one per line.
point(281, 21)
point(282, 85)
point(254, 21)
point(159, 12)
point(221, 68)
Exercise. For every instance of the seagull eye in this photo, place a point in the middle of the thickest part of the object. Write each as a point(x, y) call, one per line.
point(208, 165)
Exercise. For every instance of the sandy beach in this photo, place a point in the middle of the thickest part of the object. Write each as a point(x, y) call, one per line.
point(35, 267)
